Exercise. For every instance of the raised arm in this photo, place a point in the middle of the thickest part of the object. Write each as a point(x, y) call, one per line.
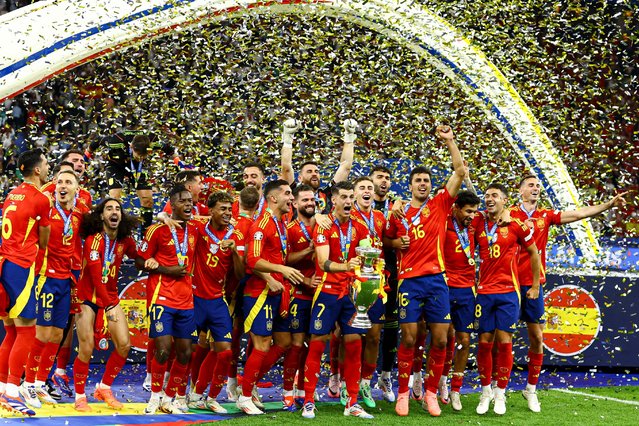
point(455, 181)
point(289, 128)
point(348, 150)
point(574, 215)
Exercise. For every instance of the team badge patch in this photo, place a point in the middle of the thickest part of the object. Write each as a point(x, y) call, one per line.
point(144, 246)
point(295, 323)
point(318, 324)
point(258, 236)
point(159, 327)
point(47, 315)
point(402, 313)
point(503, 232)
point(321, 239)
point(213, 248)
point(94, 255)
point(269, 325)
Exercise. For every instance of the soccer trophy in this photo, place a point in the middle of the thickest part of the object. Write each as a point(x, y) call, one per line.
point(368, 285)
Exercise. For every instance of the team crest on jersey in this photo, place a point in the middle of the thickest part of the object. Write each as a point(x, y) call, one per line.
point(213, 248)
point(321, 238)
point(159, 327)
point(120, 250)
point(317, 324)
point(402, 313)
point(191, 240)
point(426, 211)
point(269, 325)
point(503, 231)
point(94, 255)
point(258, 236)
point(47, 315)
point(541, 224)
point(295, 323)
point(144, 246)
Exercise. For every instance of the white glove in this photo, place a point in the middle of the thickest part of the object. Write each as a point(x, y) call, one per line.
point(350, 130)
point(289, 128)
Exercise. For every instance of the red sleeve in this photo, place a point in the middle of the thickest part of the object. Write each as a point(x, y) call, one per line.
point(555, 217)
point(44, 210)
point(167, 208)
point(391, 228)
point(255, 244)
point(525, 235)
point(320, 236)
point(148, 246)
point(239, 242)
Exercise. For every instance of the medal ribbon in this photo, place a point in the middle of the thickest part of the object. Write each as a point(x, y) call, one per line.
point(136, 174)
point(415, 219)
point(304, 230)
point(492, 235)
point(68, 230)
point(181, 249)
point(528, 213)
point(260, 207)
point(345, 240)
point(215, 239)
point(280, 233)
point(464, 240)
point(370, 221)
point(109, 256)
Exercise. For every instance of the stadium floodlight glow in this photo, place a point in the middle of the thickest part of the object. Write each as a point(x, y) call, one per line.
point(50, 37)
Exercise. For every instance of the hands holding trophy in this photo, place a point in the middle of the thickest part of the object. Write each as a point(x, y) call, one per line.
point(369, 283)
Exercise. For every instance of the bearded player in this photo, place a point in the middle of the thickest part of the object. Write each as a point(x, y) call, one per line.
point(419, 237)
point(532, 310)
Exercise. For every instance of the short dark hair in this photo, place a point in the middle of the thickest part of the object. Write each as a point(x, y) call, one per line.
point(68, 152)
point(379, 168)
point(301, 188)
point(219, 197)
point(526, 177)
point(467, 198)
point(178, 188)
point(249, 197)
point(29, 160)
point(141, 144)
point(61, 164)
point(498, 186)
point(308, 163)
point(274, 185)
point(185, 176)
point(255, 164)
point(418, 170)
point(346, 185)
point(70, 172)
point(362, 179)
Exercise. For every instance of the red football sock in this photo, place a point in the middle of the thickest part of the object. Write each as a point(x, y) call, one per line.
point(252, 371)
point(235, 347)
point(485, 362)
point(206, 372)
point(291, 363)
point(219, 375)
point(334, 352)
point(353, 373)
point(456, 382)
point(504, 363)
point(80, 373)
point(181, 389)
point(113, 367)
point(450, 352)
point(418, 353)
point(19, 353)
point(270, 359)
point(157, 375)
point(5, 350)
point(47, 359)
point(150, 354)
point(176, 378)
point(300, 367)
point(535, 362)
point(368, 370)
point(495, 370)
point(436, 359)
point(197, 358)
point(249, 348)
point(64, 354)
point(312, 369)
point(404, 367)
point(34, 360)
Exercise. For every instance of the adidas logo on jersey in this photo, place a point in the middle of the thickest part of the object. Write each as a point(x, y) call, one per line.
point(228, 336)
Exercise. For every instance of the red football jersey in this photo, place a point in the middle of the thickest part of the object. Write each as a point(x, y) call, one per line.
point(299, 240)
point(57, 261)
point(378, 222)
point(264, 241)
point(90, 286)
point(199, 209)
point(25, 210)
point(459, 273)
point(165, 290)
point(242, 227)
point(86, 199)
point(541, 221)
point(212, 265)
point(427, 233)
point(338, 282)
point(498, 268)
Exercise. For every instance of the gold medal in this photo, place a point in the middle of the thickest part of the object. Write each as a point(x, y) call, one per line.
point(105, 279)
point(471, 261)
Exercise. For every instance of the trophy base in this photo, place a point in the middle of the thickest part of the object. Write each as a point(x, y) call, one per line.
point(361, 320)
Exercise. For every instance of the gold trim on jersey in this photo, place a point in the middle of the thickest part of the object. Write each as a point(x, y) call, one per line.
point(318, 290)
point(151, 230)
point(157, 291)
point(32, 222)
point(259, 303)
point(23, 297)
